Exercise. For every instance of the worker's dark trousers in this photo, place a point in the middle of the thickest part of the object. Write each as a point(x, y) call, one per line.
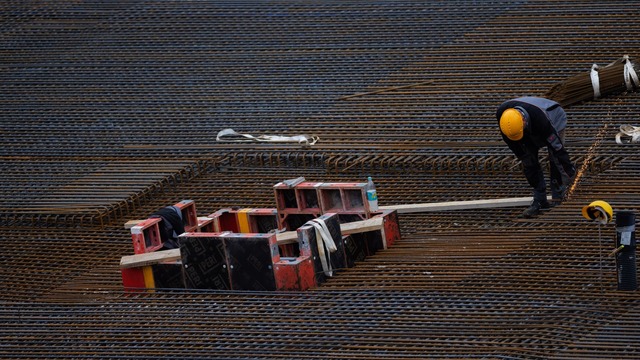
point(535, 176)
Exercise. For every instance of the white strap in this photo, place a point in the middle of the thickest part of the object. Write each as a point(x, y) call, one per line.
point(595, 81)
point(630, 76)
point(324, 240)
point(300, 139)
point(633, 132)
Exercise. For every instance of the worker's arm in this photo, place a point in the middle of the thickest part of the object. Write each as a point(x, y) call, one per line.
point(560, 152)
point(517, 147)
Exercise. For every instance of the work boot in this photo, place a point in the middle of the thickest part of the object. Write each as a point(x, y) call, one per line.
point(535, 207)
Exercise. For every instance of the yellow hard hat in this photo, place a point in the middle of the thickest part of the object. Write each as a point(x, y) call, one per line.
point(598, 210)
point(512, 124)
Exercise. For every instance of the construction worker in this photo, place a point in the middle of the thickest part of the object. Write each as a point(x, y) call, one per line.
point(526, 125)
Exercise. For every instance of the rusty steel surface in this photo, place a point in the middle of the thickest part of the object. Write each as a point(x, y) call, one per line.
point(110, 110)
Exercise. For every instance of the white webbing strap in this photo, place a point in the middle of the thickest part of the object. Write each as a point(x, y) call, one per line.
point(595, 81)
point(232, 135)
point(630, 131)
point(324, 240)
point(630, 76)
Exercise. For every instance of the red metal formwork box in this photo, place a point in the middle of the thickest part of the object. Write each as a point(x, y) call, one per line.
point(296, 205)
point(308, 197)
point(249, 220)
point(294, 274)
point(311, 246)
point(344, 198)
point(146, 236)
point(206, 224)
point(225, 220)
point(133, 278)
point(263, 220)
point(257, 220)
point(302, 198)
point(391, 227)
point(189, 215)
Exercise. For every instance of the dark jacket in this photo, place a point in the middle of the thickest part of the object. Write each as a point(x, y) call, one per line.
point(546, 122)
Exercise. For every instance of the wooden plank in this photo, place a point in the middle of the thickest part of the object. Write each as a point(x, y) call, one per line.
point(131, 223)
point(355, 227)
point(287, 237)
point(460, 205)
point(373, 224)
point(151, 258)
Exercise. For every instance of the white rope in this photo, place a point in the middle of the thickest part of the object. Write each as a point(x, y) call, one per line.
point(232, 135)
point(595, 81)
point(630, 76)
point(324, 240)
point(632, 134)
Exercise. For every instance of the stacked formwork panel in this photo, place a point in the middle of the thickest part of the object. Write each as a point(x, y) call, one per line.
point(308, 200)
point(237, 249)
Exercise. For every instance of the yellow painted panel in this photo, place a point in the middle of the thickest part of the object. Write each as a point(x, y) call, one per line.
point(149, 281)
point(243, 221)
